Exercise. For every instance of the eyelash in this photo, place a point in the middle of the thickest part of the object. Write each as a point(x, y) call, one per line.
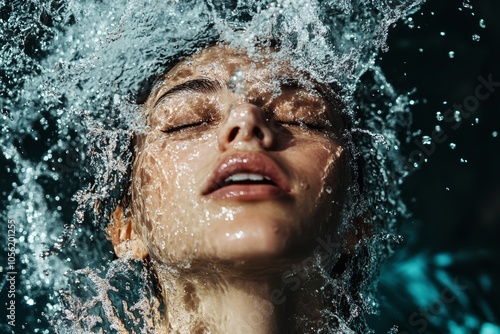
point(302, 125)
point(299, 124)
point(184, 126)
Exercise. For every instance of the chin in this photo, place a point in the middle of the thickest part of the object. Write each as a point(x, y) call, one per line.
point(255, 239)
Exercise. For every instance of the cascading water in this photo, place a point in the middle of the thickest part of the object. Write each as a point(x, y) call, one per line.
point(73, 75)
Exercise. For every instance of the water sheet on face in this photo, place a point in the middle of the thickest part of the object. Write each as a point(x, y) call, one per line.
point(74, 71)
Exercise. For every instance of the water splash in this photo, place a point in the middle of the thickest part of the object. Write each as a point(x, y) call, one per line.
point(72, 75)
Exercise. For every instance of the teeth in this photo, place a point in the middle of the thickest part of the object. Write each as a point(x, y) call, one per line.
point(245, 177)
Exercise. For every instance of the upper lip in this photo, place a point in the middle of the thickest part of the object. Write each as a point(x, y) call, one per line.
point(246, 162)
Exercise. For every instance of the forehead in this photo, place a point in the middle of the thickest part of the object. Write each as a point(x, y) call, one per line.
point(222, 62)
point(263, 70)
point(263, 76)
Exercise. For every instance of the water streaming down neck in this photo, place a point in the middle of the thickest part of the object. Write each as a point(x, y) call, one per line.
point(72, 73)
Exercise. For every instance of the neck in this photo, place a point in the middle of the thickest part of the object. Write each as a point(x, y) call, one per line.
point(216, 303)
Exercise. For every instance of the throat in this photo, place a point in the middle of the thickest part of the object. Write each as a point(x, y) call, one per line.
point(219, 306)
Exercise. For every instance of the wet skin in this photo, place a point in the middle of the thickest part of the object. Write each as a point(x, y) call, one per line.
point(192, 198)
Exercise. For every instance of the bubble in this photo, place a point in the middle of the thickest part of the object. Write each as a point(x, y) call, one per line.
point(451, 54)
point(476, 38)
point(494, 134)
point(453, 146)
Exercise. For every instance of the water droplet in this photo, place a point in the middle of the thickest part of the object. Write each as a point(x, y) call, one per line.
point(442, 33)
point(462, 160)
point(439, 116)
point(426, 140)
point(453, 145)
point(451, 54)
point(236, 82)
point(329, 190)
point(482, 24)
point(467, 5)
point(494, 134)
point(476, 38)
point(448, 189)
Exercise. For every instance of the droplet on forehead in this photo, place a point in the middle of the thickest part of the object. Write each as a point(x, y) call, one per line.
point(236, 84)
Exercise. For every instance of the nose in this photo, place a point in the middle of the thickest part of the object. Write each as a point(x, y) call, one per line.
point(245, 128)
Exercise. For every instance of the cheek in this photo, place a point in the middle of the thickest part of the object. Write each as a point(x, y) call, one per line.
point(165, 183)
point(318, 166)
point(146, 192)
point(334, 185)
point(322, 174)
point(168, 172)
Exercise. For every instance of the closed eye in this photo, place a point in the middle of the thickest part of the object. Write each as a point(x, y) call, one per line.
point(181, 127)
point(301, 124)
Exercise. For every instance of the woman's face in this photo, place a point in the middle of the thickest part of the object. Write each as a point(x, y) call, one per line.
point(242, 161)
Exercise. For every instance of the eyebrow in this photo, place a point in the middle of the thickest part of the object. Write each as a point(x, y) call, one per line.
point(211, 86)
point(201, 85)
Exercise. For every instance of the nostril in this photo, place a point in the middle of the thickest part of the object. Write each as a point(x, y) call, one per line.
point(233, 134)
point(257, 132)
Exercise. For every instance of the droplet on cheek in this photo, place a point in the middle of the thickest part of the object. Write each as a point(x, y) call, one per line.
point(235, 236)
point(207, 136)
point(193, 155)
point(181, 146)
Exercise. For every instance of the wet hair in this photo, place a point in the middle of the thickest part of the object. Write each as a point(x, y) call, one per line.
point(147, 84)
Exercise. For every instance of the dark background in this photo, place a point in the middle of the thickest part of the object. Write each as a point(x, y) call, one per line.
point(455, 205)
point(454, 197)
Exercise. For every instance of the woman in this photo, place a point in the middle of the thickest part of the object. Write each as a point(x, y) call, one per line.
point(262, 197)
point(245, 166)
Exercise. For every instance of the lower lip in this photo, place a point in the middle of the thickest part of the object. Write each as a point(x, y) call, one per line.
point(251, 192)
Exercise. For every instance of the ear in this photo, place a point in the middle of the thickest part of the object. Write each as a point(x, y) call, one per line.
point(125, 240)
